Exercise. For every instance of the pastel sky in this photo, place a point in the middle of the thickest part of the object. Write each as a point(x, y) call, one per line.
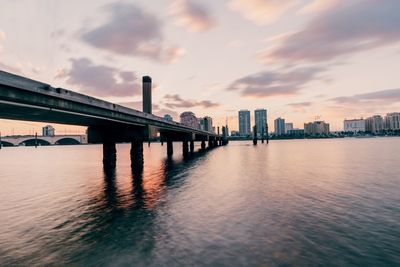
point(299, 59)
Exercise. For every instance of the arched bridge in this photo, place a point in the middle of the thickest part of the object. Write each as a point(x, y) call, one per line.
point(30, 140)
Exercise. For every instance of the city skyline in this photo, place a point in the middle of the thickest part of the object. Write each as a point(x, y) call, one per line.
point(349, 73)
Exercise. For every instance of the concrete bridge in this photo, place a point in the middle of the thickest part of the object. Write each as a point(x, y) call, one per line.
point(31, 140)
point(25, 99)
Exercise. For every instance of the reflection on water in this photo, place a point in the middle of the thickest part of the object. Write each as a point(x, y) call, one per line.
point(305, 202)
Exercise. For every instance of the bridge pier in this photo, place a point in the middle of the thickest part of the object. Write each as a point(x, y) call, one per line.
point(170, 148)
point(109, 154)
point(136, 152)
point(255, 135)
point(203, 145)
point(185, 148)
point(191, 146)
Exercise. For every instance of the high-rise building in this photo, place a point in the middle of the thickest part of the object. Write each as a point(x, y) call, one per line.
point(48, 130)
point(189, 119)
point(288, 127)
point(374, 124)
point(244, 122)
point(355, 125)
point(316, 127)
point(392, 121)
point(260, 117)
point(206, 124)
point(279, 125)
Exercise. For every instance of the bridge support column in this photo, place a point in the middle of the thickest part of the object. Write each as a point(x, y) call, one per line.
point(203, 145)
point(137, 160)
point(109, 154)
point(191, 146)
point(170, 148)
point(185, 148)
point(255, 135)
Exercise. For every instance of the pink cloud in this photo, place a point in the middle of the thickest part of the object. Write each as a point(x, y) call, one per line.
point(100, 80)
point(192, 15)
point(262, 11)
point(340, 30)
point(129, 31)
point(275, 83)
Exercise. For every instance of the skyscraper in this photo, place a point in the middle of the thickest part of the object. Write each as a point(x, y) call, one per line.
point(260, 116)
point(279, 124)
point(244, 122)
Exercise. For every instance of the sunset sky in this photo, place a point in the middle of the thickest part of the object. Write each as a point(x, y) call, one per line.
point(297, 58)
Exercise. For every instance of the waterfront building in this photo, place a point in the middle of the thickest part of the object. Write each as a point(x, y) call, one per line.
point(316, 127)
point(279, 125)
point(235, 133)
point(244, 122)
point(374, 124)
point(296, 132)
point(288, 126)
point(168, 117)
point(260, 117)
point(189, 119)
point(206, 124)
point(48, 130)
point(392, 121)
point(355, 125)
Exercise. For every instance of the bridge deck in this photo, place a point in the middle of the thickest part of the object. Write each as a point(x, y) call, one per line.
point(26, 99)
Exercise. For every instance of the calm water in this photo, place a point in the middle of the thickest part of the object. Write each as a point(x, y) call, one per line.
point(289, 203)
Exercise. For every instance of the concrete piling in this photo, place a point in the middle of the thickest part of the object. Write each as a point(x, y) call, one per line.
point(170, 148)
point(136, 152)
point(191, 146)
point(203, 145)
point(109, 154)
point(185, 148)
point(255, 135)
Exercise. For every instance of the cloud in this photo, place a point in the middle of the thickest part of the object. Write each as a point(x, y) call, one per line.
point(101, 80)
point(274, 83)
point(157, 109)
point(389, 96)
point(173, 54)
point(175, 101)
point(4, 66)
point(129, 31)
point(2, 38)
point(319, 6)
point(350, 27)
point(262, 11)
point(192, 15)
point(300, 105)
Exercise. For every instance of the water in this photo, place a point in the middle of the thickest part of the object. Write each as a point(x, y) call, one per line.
point(289, 203)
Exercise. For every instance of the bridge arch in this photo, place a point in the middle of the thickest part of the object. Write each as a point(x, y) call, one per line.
point(31, 142)
point(6, 144)
point(67, 141)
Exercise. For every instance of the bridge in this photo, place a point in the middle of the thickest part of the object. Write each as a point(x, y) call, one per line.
point(32, 140)
point(108, 123)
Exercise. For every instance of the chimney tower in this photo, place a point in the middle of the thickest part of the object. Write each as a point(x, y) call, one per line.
point(146, 83)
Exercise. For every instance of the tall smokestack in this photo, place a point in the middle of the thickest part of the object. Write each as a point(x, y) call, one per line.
point(146, 94)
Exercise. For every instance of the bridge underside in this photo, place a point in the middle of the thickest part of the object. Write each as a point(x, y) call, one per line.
point(108, 123)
